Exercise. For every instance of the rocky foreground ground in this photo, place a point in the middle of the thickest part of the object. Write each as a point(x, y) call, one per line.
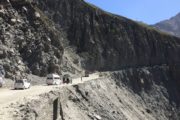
point(111, 97)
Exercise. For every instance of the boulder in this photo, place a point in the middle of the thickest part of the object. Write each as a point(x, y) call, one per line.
point(37, 15)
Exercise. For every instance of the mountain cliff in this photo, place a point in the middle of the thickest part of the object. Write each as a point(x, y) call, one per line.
point(46, 36)
point(110, 42)
point(27, 43)
point(35, 32)
point(171, 26)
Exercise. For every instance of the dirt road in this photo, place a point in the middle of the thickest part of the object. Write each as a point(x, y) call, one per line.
point(8, 96)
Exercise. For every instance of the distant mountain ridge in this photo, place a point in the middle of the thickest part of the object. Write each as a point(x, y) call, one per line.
point(171, 26)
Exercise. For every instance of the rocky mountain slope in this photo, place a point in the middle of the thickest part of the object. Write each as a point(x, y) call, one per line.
point(33, 33)
point(45, 36)
point(110, 42)
point(171, 26)
point(116, 96)
point(27, 43)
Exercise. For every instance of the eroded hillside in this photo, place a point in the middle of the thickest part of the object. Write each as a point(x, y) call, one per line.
point(27, 43)
point(45, 36)
point(121, 95)
point(35, 33)
point(110, 42)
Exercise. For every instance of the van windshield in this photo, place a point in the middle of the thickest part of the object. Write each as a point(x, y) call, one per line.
point(49, 78)
point(19, 81)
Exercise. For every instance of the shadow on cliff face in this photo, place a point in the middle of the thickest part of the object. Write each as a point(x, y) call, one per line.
point(110, 42)
point(103, 40)
point(162, 79)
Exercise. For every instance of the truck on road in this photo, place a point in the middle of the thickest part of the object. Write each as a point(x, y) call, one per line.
point(67, 79)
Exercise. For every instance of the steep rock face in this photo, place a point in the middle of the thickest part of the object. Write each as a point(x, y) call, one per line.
point(171, 26)
point(110, 42)
point(27, 42)
point(147, 88)
point(104, 41)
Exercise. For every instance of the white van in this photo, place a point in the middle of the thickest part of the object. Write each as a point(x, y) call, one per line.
point(22, 84)
point(53, 79)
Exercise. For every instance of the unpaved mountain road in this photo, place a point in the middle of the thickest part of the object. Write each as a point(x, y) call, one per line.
point(8, 96)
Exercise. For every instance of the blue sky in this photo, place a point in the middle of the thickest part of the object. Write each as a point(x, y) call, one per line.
point(147, 11)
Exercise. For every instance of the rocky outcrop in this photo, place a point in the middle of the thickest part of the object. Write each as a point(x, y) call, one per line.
point(33, 35)
point(141, 94)
point(32, 32)
point(171, 26)
point(28, 41)
point(110, 42)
